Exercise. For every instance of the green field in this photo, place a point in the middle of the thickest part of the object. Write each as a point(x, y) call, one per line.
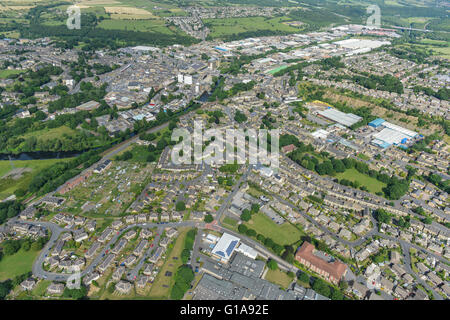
point(49, 134)
point(229, 26)
point(273, 71)
point(230, 221)
point(17, 264)
point(9, 185)
point(161, 286)
point(278, 277)
point(282, 234)
point(7, 72)
point(372, 184)
point(147, 25)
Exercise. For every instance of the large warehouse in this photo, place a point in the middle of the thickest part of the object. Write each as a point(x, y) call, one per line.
point(391, 134)
point(346, 119)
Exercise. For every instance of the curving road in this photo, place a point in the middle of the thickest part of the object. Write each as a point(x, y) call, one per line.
point(56, 231)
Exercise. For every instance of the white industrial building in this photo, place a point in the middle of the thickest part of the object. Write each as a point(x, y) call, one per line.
point(320, 133)
point(186, 79)
point(225, 247)
point(346, 119)
point(392, 134)
point(247, 251)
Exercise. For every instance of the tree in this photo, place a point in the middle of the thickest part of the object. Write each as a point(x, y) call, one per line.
point(185, 255)
point(180, 206)
point(272, 264)
point(209, 218)
point(111, 288)
point(20, 192)
point(260, 237)
point(269, 243)
point(76, 294)
point(382, 216)
point(242, 228)
point(5, 288)
point(337, 295)
point(250, 233)
point(246, 216)
point(240, 117)
point(26, 245)
point(427, 220)
point(321, 287)
point(255, 208)
point(304, 278)
point(343, 285)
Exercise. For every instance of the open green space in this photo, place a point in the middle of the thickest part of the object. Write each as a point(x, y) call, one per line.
point(372, 184)
point(11, 183)
point(19, 263)
point(50, 133)
point(229, 26)
point(230, 221)
point(273, 71)
point(278, 277)
point(145, 25)
point(161, 286)
point(284, 234)
point(7, 72)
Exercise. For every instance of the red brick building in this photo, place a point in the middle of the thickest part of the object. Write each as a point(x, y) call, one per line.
point(288, 148)
point(331, 270)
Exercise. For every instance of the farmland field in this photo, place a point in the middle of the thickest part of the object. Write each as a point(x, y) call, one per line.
point(230, 26)
point(147, 25)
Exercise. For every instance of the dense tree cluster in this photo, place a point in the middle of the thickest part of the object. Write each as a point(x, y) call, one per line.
point(9, 209)
point(239, 117)
point(183, 279)
point(188, 245)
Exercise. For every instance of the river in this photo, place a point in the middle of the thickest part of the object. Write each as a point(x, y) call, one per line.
point(40, 155)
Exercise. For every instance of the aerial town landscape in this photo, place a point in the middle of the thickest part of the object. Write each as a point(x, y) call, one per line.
point(93, 205)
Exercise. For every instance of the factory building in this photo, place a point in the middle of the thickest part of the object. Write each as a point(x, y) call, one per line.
point(346, 119)
point(391, 134)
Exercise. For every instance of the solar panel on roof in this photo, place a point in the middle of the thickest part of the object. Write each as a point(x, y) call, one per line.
point(220, 253)
point(231, 247)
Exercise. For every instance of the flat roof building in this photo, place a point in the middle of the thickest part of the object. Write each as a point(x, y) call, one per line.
point(346, 119)
point(225, 247)
point(376, 123)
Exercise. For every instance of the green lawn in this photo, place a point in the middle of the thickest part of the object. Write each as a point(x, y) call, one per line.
point(17, 264)
point(7, 72)
point(372, 184)
point(278, 277)
point(230, 221)
point(282, 234)
point(273, 71)
point(41, 288)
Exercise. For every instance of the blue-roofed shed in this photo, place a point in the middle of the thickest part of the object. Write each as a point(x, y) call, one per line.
point(376, 123)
